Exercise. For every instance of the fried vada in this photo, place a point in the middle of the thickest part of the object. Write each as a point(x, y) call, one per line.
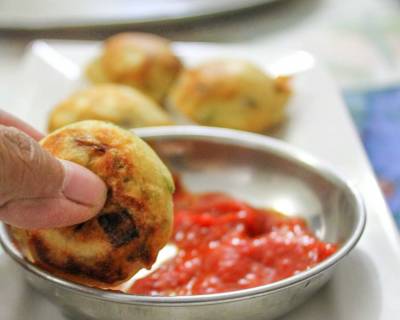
point(119, 104)
point(135, 223)
point(230, 93)
point(144, 61)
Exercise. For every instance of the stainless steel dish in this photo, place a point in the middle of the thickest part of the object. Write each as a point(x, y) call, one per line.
point(261, 170)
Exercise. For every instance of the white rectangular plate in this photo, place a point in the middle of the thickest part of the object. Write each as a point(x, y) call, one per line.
point(366, 285)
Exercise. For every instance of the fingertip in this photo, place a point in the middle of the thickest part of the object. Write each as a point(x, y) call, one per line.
point(83, 187)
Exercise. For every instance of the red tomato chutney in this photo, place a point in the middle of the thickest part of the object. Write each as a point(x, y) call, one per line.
point(224, 244)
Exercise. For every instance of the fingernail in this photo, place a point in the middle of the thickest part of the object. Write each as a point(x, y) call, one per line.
point(83, 186)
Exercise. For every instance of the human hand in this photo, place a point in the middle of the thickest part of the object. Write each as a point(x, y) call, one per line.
point(36, 189)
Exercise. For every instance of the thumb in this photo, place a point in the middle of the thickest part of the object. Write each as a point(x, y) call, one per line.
point(39, 191)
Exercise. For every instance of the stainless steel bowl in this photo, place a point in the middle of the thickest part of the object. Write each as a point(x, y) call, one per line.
point(261, 170)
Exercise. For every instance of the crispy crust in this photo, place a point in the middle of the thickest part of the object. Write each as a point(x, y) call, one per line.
point(119, 104)
point(230, 93)
point(135, 222)
point(141, 60)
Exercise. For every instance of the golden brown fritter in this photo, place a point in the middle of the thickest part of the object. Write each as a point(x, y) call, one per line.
point(230, 93)
point(135, 222)
point(119, 104)
point(141, 60)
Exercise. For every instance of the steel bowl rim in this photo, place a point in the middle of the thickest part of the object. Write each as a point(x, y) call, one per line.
point(233, 137)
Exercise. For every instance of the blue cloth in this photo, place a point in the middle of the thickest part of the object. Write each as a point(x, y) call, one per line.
point(377, 116)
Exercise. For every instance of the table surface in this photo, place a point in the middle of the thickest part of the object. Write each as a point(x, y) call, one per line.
point(294, 24)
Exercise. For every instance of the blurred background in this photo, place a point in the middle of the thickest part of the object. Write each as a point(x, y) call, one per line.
point(357, 40)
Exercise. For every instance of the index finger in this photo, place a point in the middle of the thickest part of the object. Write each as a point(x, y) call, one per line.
point(9, 120)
